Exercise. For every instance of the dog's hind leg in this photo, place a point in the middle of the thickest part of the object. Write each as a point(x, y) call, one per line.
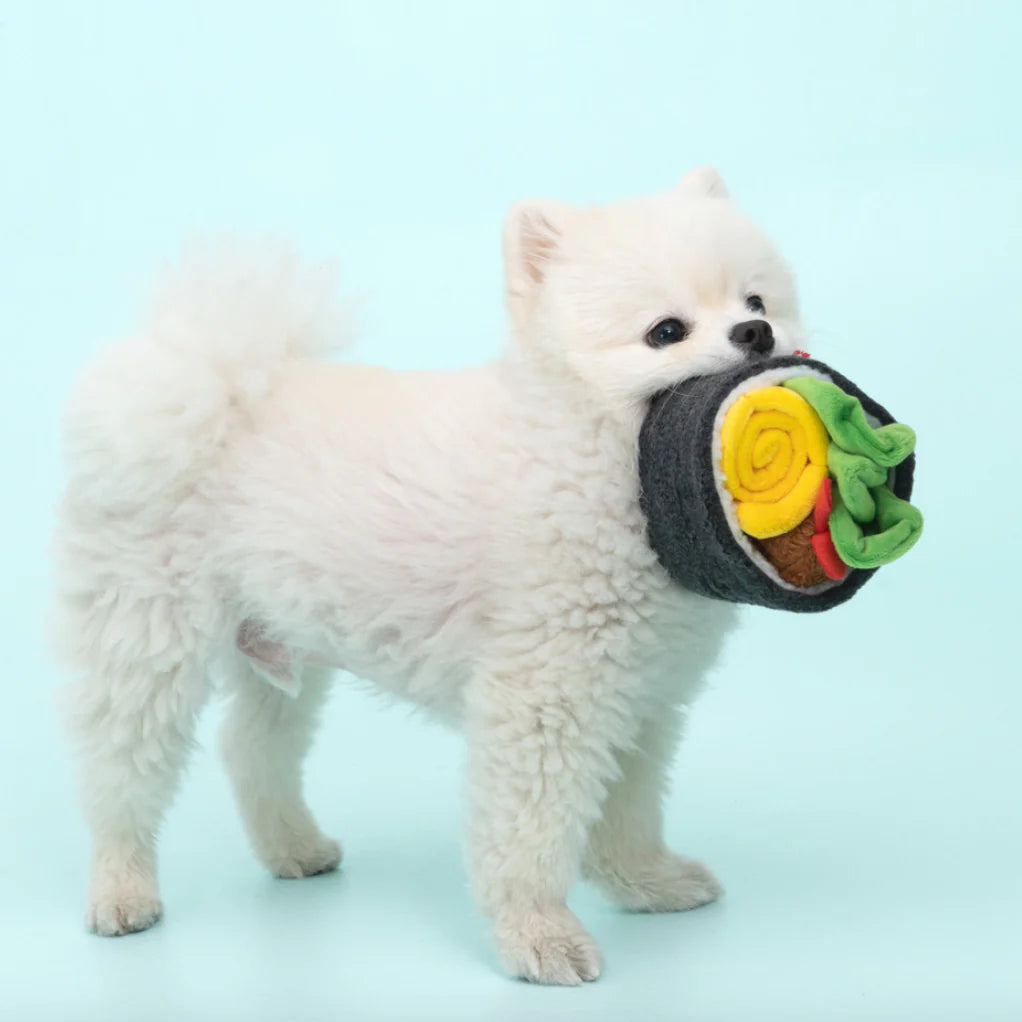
point(264, 739)
point(131, 714)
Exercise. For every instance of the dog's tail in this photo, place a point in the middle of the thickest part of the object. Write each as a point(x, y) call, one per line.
point(146, 419)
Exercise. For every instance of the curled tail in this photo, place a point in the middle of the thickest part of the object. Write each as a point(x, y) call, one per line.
point(146, 418)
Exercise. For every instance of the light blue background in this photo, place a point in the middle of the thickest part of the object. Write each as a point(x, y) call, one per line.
point(852, 777)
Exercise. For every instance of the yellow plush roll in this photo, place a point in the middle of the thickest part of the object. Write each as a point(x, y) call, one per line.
point(774, 458)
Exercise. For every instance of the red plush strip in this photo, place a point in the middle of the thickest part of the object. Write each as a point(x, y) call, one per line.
point(823, 547)
point(824, 506)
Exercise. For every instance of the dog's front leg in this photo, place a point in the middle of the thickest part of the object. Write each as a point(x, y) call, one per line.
point(542, 753)
point(626, 854)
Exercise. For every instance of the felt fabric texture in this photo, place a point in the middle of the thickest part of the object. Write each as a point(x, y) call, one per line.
point(899, 526)
point(846, 422)
point(687, 526)
point(856, 475)
point(774, 454)
point(793, 555)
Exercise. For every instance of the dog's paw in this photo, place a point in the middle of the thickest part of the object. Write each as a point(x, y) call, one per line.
point(307, 857)
point(550, 947)
point(664, 882)
point(113, 915)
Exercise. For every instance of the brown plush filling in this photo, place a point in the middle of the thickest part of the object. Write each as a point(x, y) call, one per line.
point(793, 556)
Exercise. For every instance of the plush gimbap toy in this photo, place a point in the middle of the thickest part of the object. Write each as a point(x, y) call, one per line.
point(777, 483)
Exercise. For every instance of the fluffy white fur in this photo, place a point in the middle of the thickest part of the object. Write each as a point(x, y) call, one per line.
point(471, 541)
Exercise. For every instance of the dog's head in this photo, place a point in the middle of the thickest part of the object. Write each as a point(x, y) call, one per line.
point(635, 296)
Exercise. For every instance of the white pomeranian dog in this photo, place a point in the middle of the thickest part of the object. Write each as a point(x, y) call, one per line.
point(238, 508)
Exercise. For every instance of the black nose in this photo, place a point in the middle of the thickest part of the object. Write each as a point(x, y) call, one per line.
point(753, 335)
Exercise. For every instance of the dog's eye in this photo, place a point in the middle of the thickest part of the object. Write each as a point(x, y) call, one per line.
point(667, 331)
point(754, 303)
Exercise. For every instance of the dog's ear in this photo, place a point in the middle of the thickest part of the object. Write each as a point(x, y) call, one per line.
point(532, 232)
point(704, 181)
